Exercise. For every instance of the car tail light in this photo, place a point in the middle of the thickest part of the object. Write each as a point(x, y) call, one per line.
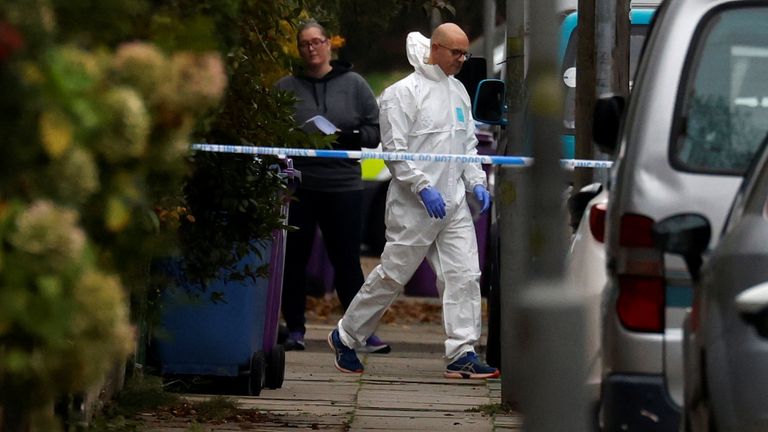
point(640, 268)
point(635, 231)
point(641, 303)
point(597, 221)
point(694, 320)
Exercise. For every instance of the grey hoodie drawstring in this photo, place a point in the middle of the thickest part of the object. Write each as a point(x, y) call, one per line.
point(324, 108)
point(325, 97)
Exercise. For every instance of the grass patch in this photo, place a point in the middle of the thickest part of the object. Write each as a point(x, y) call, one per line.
point(148, 396)
point(493, 409)
point(140, 394)
point(115, 424)
point(216, 409)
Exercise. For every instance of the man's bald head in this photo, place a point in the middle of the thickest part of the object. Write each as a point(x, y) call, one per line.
point(449, 32)
point(449, 45)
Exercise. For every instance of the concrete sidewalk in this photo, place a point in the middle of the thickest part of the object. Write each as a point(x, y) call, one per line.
point(400, 391)
point(405, 389)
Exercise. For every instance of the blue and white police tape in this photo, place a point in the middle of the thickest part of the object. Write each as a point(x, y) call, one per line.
point(392, 156)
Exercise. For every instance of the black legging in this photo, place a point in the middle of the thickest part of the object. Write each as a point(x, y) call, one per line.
point(339, 216)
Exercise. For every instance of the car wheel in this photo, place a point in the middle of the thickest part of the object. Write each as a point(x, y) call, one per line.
point(595, 417)
point(685, 421)
point(708, 418)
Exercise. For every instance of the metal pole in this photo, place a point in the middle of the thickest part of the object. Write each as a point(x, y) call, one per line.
point(585, 91)
point(621, 48)
point(511, 197)
point(489, 34)
point(612, 58)
point(612, 45)
point(605, 41)
point(551, 318)
point(435, 18)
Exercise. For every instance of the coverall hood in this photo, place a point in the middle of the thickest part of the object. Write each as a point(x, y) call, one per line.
point(417, 48)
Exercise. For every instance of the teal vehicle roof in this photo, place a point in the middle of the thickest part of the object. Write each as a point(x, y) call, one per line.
point(639, 16)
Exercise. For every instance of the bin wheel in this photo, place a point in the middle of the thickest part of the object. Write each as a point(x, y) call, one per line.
point(275, 367)
point(282, 333)
point(254, 380)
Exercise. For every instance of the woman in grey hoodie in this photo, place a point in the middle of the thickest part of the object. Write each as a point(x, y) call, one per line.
point(331, 191)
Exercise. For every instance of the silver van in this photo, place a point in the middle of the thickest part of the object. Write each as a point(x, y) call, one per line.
point(696, 116)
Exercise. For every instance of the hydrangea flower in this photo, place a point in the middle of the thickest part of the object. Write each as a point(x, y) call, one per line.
point(143, 66)
point(51, 234)
point(200, 80)
point(75, 176)
point(127, 125)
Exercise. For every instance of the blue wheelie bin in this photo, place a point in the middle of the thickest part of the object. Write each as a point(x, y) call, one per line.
point(235, 337)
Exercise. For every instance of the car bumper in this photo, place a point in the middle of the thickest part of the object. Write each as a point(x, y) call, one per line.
point(637, 403)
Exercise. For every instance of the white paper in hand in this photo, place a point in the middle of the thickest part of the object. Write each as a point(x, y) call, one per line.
point(322, 124)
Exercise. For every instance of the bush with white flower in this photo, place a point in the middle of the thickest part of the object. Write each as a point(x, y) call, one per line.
point(100, 102)
point(94, 138)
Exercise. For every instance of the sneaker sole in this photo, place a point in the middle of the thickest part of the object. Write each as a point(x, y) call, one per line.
point(465, 375)
point(335, 363)
point(294, 347)
point(383, 349)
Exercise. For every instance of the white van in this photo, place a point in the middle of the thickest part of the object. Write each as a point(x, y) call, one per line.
point(694, 120)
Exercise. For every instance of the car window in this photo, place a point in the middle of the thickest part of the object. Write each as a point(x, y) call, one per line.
point(751, 191)
point(724, 115)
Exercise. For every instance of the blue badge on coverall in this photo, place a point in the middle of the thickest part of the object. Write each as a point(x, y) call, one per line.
point(460, 114)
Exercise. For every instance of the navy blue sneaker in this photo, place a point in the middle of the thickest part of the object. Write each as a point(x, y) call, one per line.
point(346, 359)
point(470, 367)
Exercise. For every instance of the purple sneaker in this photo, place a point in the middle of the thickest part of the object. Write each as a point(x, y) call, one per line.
point(375, 345)
point(294, 342)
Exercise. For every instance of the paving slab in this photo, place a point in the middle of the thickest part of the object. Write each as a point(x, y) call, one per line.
point(415, 423)
point(426, 388)
point(401, 391)
point(304, 391)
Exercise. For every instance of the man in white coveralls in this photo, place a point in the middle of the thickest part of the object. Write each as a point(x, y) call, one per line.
point(427, 214)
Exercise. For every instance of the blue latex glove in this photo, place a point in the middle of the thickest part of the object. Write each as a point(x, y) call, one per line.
point(482, 195)
point(433, 201)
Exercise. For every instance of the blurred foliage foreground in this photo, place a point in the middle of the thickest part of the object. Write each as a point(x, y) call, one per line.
point(99, 103)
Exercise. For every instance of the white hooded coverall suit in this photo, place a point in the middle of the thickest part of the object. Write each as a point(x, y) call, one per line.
point(426, 112)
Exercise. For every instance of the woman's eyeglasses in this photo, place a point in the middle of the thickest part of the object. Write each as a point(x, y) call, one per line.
point(314, 43)
point(457, 52)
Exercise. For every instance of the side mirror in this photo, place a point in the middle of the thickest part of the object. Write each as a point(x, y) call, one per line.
point(472, 73)
point(606, 120)
point(577, 203)
point(685, 234)
point(489, 106)
point(752, 305)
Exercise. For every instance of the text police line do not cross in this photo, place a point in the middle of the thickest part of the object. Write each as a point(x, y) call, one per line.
point(418, 157)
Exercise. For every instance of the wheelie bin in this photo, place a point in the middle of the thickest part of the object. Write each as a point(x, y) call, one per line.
point(237, 336)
